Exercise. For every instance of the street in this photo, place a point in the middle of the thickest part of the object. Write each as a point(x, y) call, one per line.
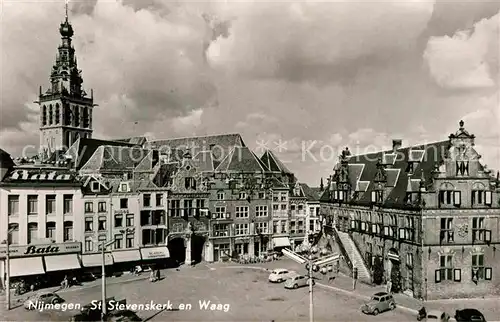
point(247, 295)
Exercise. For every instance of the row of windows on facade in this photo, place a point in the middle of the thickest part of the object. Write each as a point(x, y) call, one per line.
point(146, 202)
point(32, 204)
point(277, 197)
point(448, 272)
point(190, 207)
point(223, 230)
point(149, 237)
point(479, 233)
point(51, 115)
point(34, 233)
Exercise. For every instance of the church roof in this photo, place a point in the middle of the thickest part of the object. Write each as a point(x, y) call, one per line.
point(84, 148)
point(273, 163)
point(136, 140)
point(241, 159)
point(310, 193)
point(115, 159)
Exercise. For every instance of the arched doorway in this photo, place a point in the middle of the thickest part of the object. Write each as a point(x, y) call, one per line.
point(197, 248)
point(177, 249)
point(394, 269)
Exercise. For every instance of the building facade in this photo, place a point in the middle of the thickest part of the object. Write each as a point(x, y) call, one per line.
point(426, 216)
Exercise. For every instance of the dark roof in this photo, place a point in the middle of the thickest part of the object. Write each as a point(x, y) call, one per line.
point(363, 170)
point(165, 173)
point(241, 159)
point(41, 176)
point(275, 183)
point(272, 163)
point(325, 196)
point(136, 140)
point(220, 145)
point(5, 160)
point(310, 193)
point(115, 159)
point(204, 161)
point(83, 149)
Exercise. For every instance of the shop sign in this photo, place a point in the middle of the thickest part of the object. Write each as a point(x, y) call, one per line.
point(154, 253)
point(40, 249)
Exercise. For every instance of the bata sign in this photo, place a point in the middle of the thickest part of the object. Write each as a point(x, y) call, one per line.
point(42, 249)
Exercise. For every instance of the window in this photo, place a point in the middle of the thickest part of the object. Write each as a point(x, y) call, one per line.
point(409, 260)
point(101, 206)
point(300, 227)
point(446, 197)
point(292, 227)
point(261, 228)
point(241, 229)
point(189, 183)
point(50, 204)
point(241, 212)
point(101, 239)
point(283, 206)
point(478, 266)
point(221, 230)
point(260, 211)
point(300, 207)
point(119, 220)
point(32, 232)
point(146, 218)
point(283, 196)
point(478, 230)
point(123, 203)
point(312, 227)
point(146, 200)
point(410, 228)
point(292, 207)
point(68, 231)
point(220, 212)
point(275, 227)
point(283, 227)
point(220, 195)
point(188, 208)
point(101, 224)
point(275, 207)
point(89, 224)
point(243, 196)
point(130, 241)
point(276, 198)
point(95, 186)
point(446, 232)
point(462, 168)
point(32, 205)
point(89, 245)
point(446, 267)
point(13, 234)
point(118, 241)
point(478, 197)
point(262, 195)
point(174, 207)
point(50, 230)
point(159, 200)
point(129, 220)
point(89, 207)
point(153, 236)
point(68, 204)
point(200, 204)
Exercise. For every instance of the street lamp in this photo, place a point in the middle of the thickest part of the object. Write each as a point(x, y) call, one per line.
point(105, 244)
point(312, 265)
point(7, 267)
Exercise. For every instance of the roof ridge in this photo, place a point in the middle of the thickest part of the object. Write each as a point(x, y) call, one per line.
point(198, 136)
point(280, 164)
point(230, 156)
point(401, 148)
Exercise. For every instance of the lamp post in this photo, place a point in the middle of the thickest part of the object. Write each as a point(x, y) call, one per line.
point(312, 265)
point(104, 245)
point(7, 268)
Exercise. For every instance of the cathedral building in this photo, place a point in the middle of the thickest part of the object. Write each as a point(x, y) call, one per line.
point(65, 108)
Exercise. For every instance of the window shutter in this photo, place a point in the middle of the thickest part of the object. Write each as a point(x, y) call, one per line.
point(487, 198)
point(457, 195)
point(487, 236)
point(335, 195)
point(488, 271)
point(457, 275)
point(353, 224)
point(363, 226)
point(186, 183)
point(374, 228)
point(374, 196)
point(386, 230)
point(437, 276)
point(402, 233)
point(341, 195)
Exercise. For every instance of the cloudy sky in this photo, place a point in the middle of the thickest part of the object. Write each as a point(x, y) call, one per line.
point(305, 78)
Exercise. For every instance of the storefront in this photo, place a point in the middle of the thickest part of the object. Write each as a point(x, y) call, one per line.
point(155, 256)
point(126, 260)
point(281, 242)
point(29, 262)
point(222, 252)
point(93, 262)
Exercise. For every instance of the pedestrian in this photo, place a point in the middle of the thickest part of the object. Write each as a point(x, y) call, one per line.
point(32, 287)
point(388, 287)
point(158, 275)
point(65, 282)
point(152, 276)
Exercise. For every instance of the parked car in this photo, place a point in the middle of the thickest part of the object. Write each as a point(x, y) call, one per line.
point(380, 302)
point(40, 299)
point(296, 281)
point(280, 275)
point(469, 315)
point(437, 316)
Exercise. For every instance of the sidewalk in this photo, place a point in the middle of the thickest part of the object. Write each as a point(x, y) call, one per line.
point(489, 307)
point(125, 278)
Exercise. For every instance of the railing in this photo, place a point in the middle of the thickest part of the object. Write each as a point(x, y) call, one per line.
point(341, 246)
point(360, 254)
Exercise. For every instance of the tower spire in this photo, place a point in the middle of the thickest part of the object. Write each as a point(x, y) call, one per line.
point(66, 8)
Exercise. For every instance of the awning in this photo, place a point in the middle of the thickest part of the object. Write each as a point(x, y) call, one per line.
point(281, 242)
point(26, 266)
point(126, 256)
point(61, 262)
point(155, 252)
point(92, 260)
point(393, 256)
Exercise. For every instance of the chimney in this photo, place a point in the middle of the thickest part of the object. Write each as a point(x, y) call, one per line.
point(396, 144)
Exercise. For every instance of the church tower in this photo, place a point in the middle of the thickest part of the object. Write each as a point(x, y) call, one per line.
point(65, 108)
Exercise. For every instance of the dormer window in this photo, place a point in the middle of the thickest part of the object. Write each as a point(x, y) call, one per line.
point(95, 186)
point(462, 168)
point(410, 167)
point(243, 195)
point(190, 183)
point(124, 187)
point(409, 197)
point(377, 196)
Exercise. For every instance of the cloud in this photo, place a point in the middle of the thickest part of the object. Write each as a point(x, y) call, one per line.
point(468, 59)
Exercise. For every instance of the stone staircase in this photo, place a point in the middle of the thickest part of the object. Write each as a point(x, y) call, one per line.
point(355, 257)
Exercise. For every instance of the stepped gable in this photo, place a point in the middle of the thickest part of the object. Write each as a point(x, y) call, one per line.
point(84, 148)
point(273, 163)
point(396, 175)
point(241, 159)
point(220, 145)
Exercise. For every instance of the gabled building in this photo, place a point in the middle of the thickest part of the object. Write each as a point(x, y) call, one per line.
point(425, 215)
point(312, 208)
point(298, 215)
